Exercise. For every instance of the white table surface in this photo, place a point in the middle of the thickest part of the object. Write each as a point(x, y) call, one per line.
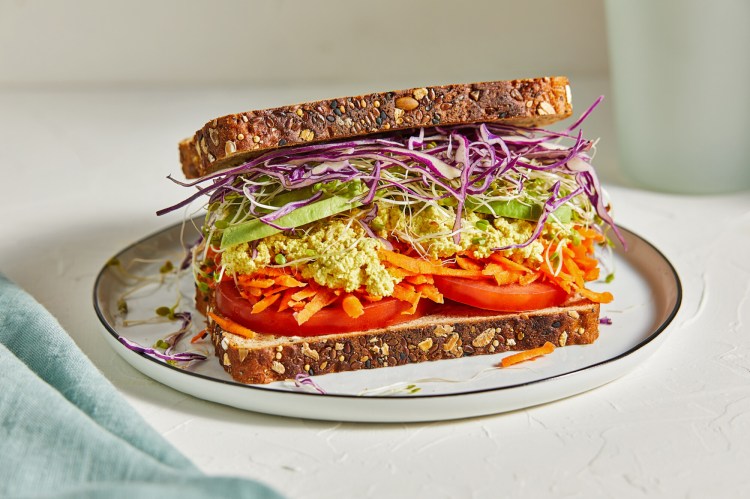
point(83, 173)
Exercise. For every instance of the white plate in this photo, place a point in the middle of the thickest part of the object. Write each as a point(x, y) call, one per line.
point(647, 296)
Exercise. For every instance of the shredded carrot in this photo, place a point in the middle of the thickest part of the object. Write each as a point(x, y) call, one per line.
point(507, 277)
point(604, 297)
point(230, 326)
point(527, 279)
point(257, 283)
point(578, 267)
point(405, 292)
point(511, 265)
point(304, 294)
point(297, 305)
point(275, 290)
point(586, 263)
point(580, 251)
point(285, 299)
point(420, 279)
point(492, 269)
point(286, 287)
point(320, 300)
point(265, 303)
point(527, 355)
point(399, 273)
point(574, 271)
point(588, 233)
point(352, 306)
point(420, 266)
point(289, 281)
point(591, 275)
point(251, 292)
point(429, 291)
point(467, 263)
point(502, 276)
point(199, 336)
point(274, 271)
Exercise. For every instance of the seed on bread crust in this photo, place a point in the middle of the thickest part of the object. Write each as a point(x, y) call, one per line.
point(545, 108)
point(425, 345)
point(531, 102)
point(484, 339)
point(308, 352)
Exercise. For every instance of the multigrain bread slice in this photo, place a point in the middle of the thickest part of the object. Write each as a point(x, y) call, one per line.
point(233, 139)
point(458, 331)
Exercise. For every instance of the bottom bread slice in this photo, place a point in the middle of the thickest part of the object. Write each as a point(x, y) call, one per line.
point(458, 331)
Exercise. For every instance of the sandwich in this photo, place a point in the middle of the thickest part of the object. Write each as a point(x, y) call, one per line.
point(393, 228)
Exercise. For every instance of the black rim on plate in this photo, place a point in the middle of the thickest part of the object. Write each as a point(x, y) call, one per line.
point(657, 332)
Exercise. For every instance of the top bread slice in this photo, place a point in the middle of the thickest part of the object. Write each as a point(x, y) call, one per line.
point(235, 138)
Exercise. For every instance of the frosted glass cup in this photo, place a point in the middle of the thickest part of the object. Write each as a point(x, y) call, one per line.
point(680, 74)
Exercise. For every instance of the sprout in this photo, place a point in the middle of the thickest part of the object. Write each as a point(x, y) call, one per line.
point(441, 168)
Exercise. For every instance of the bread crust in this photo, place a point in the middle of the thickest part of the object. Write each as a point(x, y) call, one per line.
point(235, 138)
point(458, 331)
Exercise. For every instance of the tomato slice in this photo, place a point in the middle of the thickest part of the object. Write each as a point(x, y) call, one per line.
point(508, 298)
point(330, 320)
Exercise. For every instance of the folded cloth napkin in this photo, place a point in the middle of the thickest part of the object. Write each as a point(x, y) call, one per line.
point(65, 431)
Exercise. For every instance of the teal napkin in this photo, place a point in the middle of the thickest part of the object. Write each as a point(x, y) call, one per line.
point(65, 431)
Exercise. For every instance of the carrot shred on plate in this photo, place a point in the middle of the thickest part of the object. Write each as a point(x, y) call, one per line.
point(230, 326)
point(202, 334)
point(527, 355)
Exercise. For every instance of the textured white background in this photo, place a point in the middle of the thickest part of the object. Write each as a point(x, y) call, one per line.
point(288, 41)
point(83, 166)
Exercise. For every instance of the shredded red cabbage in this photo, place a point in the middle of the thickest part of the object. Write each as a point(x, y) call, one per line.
point(152, 352)
point(445, 162)
point(186, 319)
point(301, 380)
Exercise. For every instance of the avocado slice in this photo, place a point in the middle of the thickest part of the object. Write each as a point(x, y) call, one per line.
point(516, 209)
point(291, 197)
point(255, 229)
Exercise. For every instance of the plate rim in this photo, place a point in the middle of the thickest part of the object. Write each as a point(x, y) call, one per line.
point(658, 331)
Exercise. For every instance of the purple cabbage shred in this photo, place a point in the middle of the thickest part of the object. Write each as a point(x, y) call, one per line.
point(152, 352)
point(459, 161)
point(302, 380)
